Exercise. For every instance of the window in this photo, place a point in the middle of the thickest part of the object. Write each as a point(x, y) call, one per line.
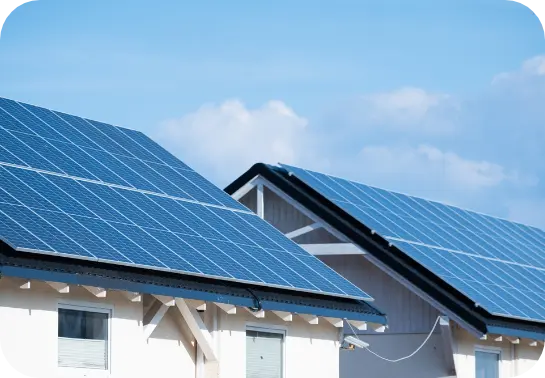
point(487, 364)
point(83, 338)
point(264, 354)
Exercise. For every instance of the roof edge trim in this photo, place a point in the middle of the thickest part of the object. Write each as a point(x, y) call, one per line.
point(506, 331)
point(126, 285)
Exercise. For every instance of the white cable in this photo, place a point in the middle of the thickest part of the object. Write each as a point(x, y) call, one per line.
point(402, 358)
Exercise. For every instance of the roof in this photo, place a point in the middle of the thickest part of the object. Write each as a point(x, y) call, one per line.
point(74, 188)
point(81, 272)
point(459, 303)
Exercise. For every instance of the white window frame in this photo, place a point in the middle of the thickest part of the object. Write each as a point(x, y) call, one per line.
point(89, 307)
point(270, 328)
point(492, 350)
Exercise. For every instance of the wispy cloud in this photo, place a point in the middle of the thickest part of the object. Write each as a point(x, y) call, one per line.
point(470, 152)
point(223, 139)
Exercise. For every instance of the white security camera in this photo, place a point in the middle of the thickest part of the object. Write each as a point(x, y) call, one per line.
point(354, 341)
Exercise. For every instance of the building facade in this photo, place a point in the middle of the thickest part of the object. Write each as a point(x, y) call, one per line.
point(43, 341)
point(118, 260)
point(457, 346)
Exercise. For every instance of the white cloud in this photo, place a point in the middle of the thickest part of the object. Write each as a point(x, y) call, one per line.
point(223, 140)
point(468, 152)
point(430, 165)
point(528, 211)
point(533, 67)
point(408, 110)
point(405, 105)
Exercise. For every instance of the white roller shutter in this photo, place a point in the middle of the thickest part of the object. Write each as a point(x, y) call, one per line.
point(83, 353)
point(264, 354)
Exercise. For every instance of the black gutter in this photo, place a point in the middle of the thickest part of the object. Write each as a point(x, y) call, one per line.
point(110, 276)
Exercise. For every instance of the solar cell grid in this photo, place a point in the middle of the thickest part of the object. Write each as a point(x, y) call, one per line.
point(124, 141)
point(149, 145)
point(488, 259)
point(28, 119)
point(85, 189)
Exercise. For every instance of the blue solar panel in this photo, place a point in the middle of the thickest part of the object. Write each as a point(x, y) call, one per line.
point(497, 263)
point(80, 188)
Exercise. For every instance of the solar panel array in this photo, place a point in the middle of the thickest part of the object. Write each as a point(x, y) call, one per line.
point(499, 264)
point(81, 188)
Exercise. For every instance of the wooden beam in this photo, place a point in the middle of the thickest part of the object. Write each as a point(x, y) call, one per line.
point(199, 364)
point(96, 291)
point(336, 322)
point(258, 314)
point(285, 316)
point(260, 201)
point(332, 249)
point(498, 339)
point(198, 329)
point(311, 319)
point(533, 343)
point(303, 230)
point(513, 340)
point(358, 324)
point(228, 308)
point(484, 337)
point(245, 189)
point(166, 300)
point(196, 304)
point(25, 285)
point(155, 320)
point(380, 328)
point(132, 296)
point(60, 287)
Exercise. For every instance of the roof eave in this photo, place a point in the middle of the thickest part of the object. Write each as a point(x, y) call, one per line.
point(209, 296)
point(65, 270)
point(514, 332)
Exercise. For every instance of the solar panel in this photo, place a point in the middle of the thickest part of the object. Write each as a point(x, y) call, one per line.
point(84, 189)
point(499, 264)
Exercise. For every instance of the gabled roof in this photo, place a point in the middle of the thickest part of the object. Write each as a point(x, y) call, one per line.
point(74, 188)
point(464, 302)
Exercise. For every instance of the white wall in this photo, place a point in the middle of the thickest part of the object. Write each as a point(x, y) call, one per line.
point(28, 338)
point(311, 350)
point(28, 334)
point(410, 318)
point(516, 358)
point(407, 313)
point(428, 363)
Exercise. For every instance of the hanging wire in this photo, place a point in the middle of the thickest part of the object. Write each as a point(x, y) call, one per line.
point(402, 358)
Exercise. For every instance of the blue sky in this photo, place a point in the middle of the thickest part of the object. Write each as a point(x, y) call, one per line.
point(441, 99)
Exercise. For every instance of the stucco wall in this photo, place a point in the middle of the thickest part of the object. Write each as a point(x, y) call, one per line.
point(428, 363)
point(311, 350)
point(28, 334)
point(28, 338)
point(516, 359)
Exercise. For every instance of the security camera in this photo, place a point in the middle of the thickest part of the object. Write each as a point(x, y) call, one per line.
point(354, 341)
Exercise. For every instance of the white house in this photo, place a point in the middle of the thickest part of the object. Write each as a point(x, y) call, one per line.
point(67, 318)
point(467, 340)
point(118, 260)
